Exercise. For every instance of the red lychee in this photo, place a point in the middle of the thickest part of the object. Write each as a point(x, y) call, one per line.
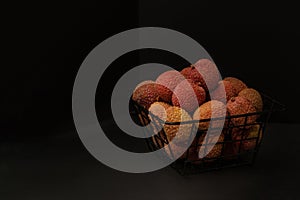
point(239, 106)
point(145, 95)
point(207, 110)
point(209, 72)
point(219, 95)
point(169, 80)
point(254, 97)
point(188, 95)
point(236, 83)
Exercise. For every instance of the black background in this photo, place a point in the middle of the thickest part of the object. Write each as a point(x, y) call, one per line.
point(45, 43)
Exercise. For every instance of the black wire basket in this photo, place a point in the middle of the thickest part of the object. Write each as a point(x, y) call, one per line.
point(237, 145)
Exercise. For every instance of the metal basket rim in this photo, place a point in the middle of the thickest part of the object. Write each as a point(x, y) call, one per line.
point(265, 111)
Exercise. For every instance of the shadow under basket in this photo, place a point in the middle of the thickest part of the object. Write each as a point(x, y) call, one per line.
point(237, 145)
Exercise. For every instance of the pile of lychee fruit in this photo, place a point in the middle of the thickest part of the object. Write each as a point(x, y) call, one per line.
point(196, 93)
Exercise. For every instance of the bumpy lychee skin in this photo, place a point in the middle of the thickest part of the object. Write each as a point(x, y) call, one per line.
point(170, 113)
point(176, 114)
point(193, 74)
point(145, 95)
point(226, 86)
point(238, 133)
point(239, 106)
point(169, 79)
point(183, 131)
point(160, 90)
point(159, 110)
point(236, 83)
point(144, 83)
point(246, 138)
point(163, 95)
point(184, 93)
point(207, 110)
point(253, 132)
point(204, 61)
point(209, 72)
point(205, 145)
point(254, 97)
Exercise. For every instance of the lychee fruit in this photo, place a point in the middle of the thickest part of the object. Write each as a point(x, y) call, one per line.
point(212, 143)
point(238, 106)
point(218, 93)
point(145, 95)
point(236, 83)
point(169, 79)
point(246, 138)
point(232, 147)
point(174, 149)
point(176, 114)
point(254, 97)
point(144, 83)
point(209, 73)
point(254, 132)
point(171, 114)
point(159, 110)
point(193, 74)
point(158, 115)
point(238, 133)
point(188, 95)
point(181, 131)
point(207, 110)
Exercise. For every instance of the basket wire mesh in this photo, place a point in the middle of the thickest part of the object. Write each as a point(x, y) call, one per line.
point(236, 148)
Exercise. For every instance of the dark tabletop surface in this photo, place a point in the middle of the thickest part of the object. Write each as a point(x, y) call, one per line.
point(59, 167)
